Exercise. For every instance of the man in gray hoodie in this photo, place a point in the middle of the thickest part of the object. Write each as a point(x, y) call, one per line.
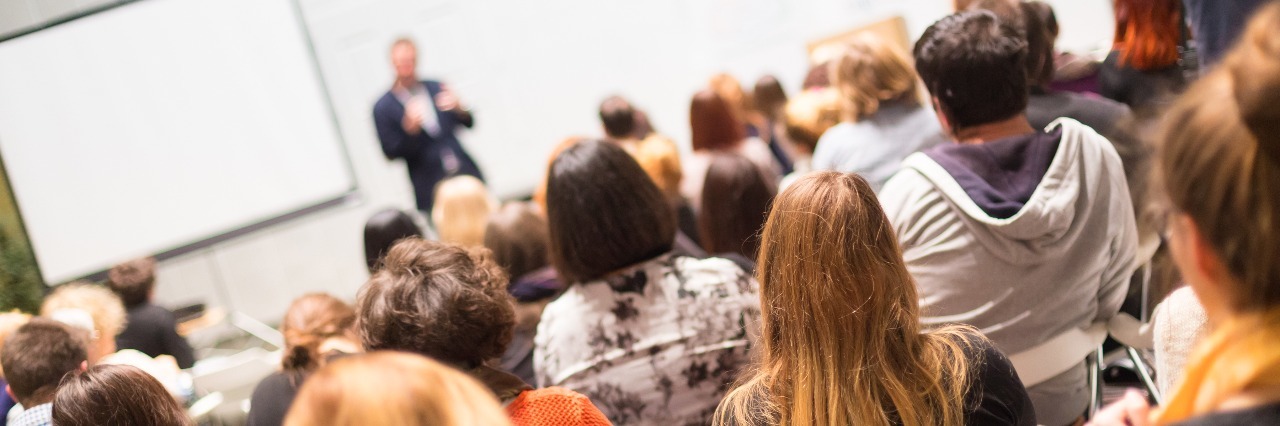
point(1027, 234)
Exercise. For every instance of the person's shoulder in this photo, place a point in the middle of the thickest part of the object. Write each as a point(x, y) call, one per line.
point(719, 275)
point(707, 266)
point(385, 102)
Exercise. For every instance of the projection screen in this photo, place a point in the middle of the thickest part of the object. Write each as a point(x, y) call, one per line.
point(160, 126)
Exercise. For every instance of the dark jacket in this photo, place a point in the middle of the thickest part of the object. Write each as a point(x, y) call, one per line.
point(152, 330)
point(421, 152)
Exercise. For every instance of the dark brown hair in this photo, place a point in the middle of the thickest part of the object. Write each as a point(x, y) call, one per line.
point(38, 354)
point(618, 117)
point(382, 230)
point(604, 212)
point(1040, 43)
point(115, 395)
point(768, 97)
point(310, 320)
point(438, 300)
point(133, 280)
point(1219, 161)
point(735, 203)
point(712, 123)
point(974, 64)
point(517, 235)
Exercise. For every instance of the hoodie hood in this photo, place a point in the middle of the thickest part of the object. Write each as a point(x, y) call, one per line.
point(1024, 198)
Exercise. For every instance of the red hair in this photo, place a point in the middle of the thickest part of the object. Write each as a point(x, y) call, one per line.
point(712, 123)
point(1147, 33)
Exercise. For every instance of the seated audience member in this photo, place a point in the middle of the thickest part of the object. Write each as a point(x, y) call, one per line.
point(1071, 72)
point(807, 116)
point(97, 310)
point(462, 205)
point(517, 236)
point(735, 201)
point(660, 159)
point(766, 102)
point(727, 87)
point(393, 388)
point(148, 328)
point(35, 357)
point(115, 395)
point(9, 322)
point(1044, 105)
point(382, 230)
point(716, 129)
point(651, 337)
point(451, 304)
point(316, 327)
point(618, 118)
point(842, 338)
point(1026, 234)
point(657, 155)
point(1219, 159)
point(69, 303)
point(1142, 69)
point(883, 119)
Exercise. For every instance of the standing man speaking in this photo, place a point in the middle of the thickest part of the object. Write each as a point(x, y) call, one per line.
point(416, 121)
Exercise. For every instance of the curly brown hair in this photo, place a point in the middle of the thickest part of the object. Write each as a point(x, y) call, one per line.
point(438, 300)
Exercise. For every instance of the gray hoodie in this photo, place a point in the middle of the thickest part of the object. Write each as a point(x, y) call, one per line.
point(1026, 238)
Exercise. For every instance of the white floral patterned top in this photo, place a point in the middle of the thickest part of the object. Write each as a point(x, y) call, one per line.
point(657, 343)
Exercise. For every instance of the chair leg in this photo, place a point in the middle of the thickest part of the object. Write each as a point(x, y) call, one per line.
point(1144, 373)
point(1094, 380)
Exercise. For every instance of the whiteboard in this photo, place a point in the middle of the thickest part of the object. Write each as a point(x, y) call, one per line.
point(159, 124)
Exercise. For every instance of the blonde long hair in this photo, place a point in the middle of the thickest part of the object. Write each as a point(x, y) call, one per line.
point(842, 336)
point(393, 388)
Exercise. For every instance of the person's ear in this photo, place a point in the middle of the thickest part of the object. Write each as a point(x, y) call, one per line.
point(9, 390)
point(84, 365)
point(942, 116)
point(1202, 256)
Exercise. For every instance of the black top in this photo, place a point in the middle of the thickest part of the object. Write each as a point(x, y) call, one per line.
point(271, 399)
point(1101, 114)
point(152, 330)
point(1141, 90)
point(996, 395)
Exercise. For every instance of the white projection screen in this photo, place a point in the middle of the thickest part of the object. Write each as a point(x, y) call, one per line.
point(161, 126)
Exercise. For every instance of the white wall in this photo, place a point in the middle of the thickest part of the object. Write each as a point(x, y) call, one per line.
point(534, 73)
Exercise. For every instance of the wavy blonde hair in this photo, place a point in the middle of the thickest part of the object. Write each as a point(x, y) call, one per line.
point(393, 388)
point(870, 73)
point(842, 340)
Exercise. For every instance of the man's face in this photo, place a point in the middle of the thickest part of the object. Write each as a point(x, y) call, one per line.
point(405, 60)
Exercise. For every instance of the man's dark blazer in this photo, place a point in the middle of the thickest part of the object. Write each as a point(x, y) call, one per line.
point(421, 152)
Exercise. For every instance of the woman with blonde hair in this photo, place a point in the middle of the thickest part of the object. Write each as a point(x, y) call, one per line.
point(461, 211)
point(842, 339)
point(883, 121)
point(393, 388)
point(316, 327)
point(1219, 162)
